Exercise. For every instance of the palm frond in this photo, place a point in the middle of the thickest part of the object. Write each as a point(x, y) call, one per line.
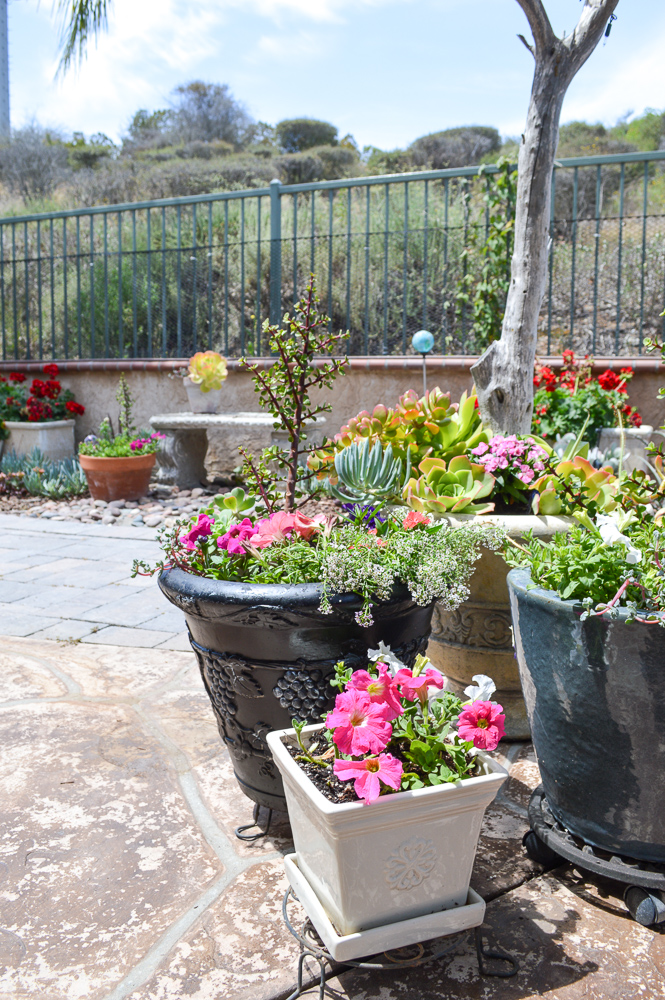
point(80, 20)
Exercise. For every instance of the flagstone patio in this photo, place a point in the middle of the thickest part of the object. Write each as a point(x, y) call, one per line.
point(120, 875)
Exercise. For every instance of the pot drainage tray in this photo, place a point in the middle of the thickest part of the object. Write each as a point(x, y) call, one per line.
point(378, 939)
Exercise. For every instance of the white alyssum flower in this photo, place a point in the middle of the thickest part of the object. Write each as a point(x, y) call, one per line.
point(609, 527)
point(483, 689)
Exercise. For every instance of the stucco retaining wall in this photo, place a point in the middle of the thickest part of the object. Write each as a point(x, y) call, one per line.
point(368, 381)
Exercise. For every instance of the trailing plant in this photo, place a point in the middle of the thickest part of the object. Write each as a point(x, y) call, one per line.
point(400, 731)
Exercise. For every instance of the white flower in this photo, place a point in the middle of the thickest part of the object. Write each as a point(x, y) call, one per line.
point(385, 655)
point(483, 689)
point(609, 531)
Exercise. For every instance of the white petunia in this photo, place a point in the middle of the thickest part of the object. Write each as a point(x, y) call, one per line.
point(384, 654)
point(483, 689)
point(608, 528)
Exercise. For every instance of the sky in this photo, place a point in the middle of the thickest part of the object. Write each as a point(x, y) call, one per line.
point(385, 71)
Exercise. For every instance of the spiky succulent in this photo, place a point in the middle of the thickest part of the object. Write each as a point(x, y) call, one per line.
point(367, 473)
point(450, 488)
point(429, 426)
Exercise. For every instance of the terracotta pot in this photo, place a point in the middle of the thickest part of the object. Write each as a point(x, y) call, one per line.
point(117, 478)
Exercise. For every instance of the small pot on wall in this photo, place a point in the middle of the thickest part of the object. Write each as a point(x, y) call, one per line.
point(118, 478)
point(200, 401)
point(635, 441)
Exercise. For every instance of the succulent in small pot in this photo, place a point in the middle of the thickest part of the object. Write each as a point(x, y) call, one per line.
point(206, 372)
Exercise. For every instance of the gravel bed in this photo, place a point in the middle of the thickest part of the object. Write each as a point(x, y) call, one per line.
point(162, 505)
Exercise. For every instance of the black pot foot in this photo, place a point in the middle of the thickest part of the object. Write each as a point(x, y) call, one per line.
point(644, 907)
point(240, 830)
point(538, 850)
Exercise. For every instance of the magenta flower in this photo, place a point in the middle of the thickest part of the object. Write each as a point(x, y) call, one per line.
point(275, 528)
point(201, 529)
point(416, 687)
point(232, 539)
point(369, 774)
point(382, 690)
point(482, 724)
point(360, 725)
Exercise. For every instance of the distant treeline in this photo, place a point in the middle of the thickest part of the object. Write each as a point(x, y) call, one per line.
point(207, 141)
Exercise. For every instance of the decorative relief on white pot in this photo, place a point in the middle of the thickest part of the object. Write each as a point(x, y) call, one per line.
point(479, 625)
point(410, 864)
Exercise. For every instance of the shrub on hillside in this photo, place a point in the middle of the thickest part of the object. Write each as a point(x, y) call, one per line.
point(455, 147)
point(297, 134)
point(34, 162)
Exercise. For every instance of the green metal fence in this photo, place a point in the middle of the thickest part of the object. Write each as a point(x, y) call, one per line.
point(165, 278)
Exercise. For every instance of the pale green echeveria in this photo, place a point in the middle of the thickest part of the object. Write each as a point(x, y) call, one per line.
point(367, 473)
point(579, 476)
point(450, 488)
point(236, 501)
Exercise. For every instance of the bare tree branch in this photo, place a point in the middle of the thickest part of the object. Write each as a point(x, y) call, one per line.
point(528, 45)
point(539, 22)
point(588, 31)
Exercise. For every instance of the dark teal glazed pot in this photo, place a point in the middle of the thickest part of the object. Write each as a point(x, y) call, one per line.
point(595, 699)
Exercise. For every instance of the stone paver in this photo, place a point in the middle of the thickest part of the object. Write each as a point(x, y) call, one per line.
point(71, 581)
point(120, 875)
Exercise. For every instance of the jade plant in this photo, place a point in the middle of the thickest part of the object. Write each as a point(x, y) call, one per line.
point(450, 487)
point(207, 369)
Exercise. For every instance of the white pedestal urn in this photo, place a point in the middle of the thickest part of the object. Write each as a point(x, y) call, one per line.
point(398, 866)
point(635, 441)
point(477, 637)
point(53, 438)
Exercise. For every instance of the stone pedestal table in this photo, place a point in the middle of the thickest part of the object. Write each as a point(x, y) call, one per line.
point(181, 458)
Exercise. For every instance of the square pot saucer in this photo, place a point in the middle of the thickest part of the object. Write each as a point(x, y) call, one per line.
point(378, 939)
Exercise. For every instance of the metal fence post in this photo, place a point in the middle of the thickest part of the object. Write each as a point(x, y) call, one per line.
point(275, 251)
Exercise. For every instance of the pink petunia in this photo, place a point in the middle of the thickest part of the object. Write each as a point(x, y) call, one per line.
point(273, 529)
point(369, 774)
point(232, 539)
point(416, 687)
point(360, 725)
point(201, 529)
point(305, 527)
point(482, 724)
point(382, 690)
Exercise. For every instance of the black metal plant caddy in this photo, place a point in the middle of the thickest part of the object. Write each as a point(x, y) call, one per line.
point(548, 842)
point(389, 961)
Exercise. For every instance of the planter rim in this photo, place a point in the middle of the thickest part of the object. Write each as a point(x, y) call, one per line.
point(21, 424)
point(241, 592)
point(519, 580)
point(517, 524)
point(384, 805)
point(643, 429)
point(117, 458)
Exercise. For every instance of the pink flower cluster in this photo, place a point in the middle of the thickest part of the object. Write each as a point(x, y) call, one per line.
point(523, 458)
point(272, 530)
point(362, 718)
point(139, 443)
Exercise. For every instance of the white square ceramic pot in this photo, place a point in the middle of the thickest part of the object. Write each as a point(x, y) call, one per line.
point(405, 855)
point(53, 438)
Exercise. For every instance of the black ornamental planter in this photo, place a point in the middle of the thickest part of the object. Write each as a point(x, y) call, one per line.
point(595, 697)
point(267, 654)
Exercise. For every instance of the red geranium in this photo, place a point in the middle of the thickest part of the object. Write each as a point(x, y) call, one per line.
point(608, 380)
point(52, 389)
point(51, 370)
point(16, 377)
point(38, 388)
point(74, 407)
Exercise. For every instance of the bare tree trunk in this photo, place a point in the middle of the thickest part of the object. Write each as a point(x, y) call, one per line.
point(504, 373)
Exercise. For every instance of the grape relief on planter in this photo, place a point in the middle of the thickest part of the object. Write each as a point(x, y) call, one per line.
point(395, 729)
